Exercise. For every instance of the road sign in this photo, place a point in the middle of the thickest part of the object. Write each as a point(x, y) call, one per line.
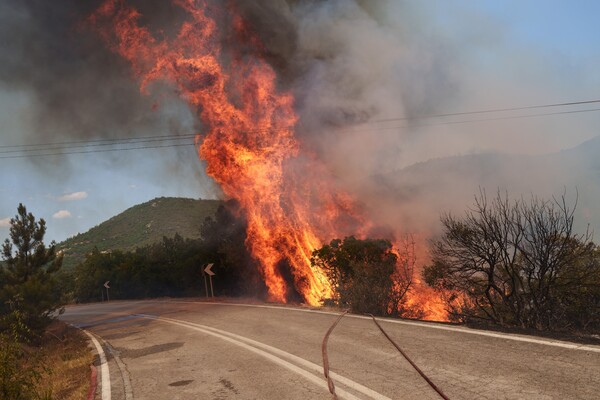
point(208, 270)
point(107, 287)
point(210, 274)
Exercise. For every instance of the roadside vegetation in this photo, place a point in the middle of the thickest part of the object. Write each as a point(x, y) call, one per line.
point(518, 263)
point(368, 275)
point(34, 362)
point(174, 266)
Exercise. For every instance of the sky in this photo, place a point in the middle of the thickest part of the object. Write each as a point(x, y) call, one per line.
point(494, 54)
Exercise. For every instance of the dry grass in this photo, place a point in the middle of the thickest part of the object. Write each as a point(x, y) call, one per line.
point(68, 359)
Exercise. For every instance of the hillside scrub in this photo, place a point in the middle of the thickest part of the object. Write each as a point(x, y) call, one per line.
point(517, 263)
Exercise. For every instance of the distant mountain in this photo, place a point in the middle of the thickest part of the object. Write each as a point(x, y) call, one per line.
point(413, 198)
point(140, 225)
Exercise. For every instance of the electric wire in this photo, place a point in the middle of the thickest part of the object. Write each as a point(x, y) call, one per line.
point(98, 151)
point(65, 147)
point(55, 147)
point(494, 110)
point(116, 140)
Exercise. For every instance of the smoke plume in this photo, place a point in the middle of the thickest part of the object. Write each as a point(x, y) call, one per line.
point(362, 73)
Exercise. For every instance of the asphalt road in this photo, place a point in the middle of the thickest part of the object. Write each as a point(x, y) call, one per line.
point(195, 350)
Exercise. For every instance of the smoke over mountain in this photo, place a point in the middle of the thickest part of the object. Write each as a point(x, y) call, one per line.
point(351, 65)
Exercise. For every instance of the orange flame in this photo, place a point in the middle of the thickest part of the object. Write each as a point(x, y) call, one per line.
point(249, 145)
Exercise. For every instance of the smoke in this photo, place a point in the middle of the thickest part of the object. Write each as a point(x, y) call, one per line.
point(350, 65)
point(363, 72)
point(74, 86)
point(60, 83)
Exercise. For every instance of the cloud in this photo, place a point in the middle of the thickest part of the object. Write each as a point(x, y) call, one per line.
point(73, 196)
point(4, 222)
point(61, 214)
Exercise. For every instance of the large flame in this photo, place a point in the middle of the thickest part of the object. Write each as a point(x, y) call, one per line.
point(249, 142)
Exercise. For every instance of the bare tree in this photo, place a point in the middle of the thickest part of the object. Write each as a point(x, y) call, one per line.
point(510, 262)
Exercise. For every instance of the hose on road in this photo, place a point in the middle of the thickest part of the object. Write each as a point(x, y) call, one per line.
point(326, 358)
point(433, 386)
point(330, 383)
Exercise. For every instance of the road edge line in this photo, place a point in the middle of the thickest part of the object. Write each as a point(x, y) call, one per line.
point(104, 371)
point(123, 371)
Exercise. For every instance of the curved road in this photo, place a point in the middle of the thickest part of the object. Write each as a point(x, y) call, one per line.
point(198, 350)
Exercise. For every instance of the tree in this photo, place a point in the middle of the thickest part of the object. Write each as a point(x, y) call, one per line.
point(366, 275)
point(27, 280)
point(224, 241)
point(513, 263)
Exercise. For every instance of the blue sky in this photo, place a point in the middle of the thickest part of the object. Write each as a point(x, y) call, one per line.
point(509, 52)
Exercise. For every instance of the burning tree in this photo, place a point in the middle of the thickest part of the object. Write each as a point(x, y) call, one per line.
point(517, 263)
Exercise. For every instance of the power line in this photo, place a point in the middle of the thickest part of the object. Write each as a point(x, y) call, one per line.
point(109, 141)
point(56, 147)
point(491, 110)
point(476, 120)
point(18, 150)
point(97, 151)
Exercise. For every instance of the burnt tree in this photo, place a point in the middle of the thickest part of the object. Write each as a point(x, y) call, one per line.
point(513, 263)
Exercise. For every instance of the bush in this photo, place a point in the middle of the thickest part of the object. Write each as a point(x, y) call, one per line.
point(21, 367)
point(365, 275)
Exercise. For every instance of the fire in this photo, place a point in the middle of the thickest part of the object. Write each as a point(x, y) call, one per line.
point(249, 142)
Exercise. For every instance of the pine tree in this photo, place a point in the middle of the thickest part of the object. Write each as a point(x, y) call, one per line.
point(27, 275)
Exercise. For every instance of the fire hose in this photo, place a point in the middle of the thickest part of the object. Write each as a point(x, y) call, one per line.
point(330, 382)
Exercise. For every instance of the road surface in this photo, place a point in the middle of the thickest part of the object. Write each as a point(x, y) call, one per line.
point(196, 350)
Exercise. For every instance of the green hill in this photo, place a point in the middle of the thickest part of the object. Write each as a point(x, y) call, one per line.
point(140, 225)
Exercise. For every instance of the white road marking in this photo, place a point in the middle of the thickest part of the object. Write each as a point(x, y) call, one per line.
point(103, 367)
point(123, 371)
point(431, 325)
point(272, 354)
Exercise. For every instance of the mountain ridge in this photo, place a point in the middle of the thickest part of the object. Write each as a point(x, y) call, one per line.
point(140, 225)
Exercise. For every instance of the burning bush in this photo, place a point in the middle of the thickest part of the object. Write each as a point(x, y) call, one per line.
point(518, 263)
point(365, 275)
